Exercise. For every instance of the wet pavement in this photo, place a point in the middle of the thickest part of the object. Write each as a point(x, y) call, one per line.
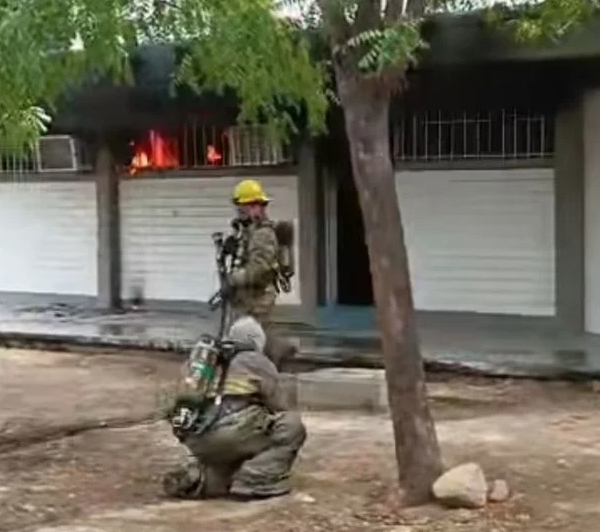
point(506, 346)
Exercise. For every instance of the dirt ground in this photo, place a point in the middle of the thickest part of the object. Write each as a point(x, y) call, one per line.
point(81, 451)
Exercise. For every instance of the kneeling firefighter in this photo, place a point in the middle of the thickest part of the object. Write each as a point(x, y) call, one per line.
point(263, 264)
point(250, 445)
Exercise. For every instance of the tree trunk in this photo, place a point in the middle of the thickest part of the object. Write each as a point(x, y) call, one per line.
point(366, 110)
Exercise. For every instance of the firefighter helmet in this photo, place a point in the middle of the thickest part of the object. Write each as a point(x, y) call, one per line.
point(249, 191)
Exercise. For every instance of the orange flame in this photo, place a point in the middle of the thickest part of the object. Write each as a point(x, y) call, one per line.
point(154, 151)
point(213, 156)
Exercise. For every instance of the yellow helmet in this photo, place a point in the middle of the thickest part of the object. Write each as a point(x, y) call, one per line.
point(249, 191)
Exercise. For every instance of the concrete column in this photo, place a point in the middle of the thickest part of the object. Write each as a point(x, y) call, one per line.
point(308, 233)
point(591, 133)
point(327, 238)
point(569, 217)
point(109, 231)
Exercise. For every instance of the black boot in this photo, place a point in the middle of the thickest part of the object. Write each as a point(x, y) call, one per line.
point(244, 492)
point(184, 483)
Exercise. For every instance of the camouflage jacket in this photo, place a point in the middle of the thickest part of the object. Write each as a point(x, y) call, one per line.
point(254, 279)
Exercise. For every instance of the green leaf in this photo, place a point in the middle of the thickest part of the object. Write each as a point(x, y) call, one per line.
point(237, 44)
point(276, 66)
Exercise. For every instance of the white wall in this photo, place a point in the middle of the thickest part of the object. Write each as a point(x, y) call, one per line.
point(166, 233)
point(591, 113)
point(48, 237)
point(480, 240)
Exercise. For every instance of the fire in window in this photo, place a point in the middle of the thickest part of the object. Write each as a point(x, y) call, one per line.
point(213, 156)
point(154, 151)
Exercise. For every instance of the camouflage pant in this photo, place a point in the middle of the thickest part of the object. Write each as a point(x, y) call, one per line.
point(278, 349)
point(249, 454)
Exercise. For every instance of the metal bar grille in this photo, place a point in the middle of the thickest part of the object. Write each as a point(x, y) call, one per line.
point(202, 146)
point(448, 136)
point(23, 162)
point(17, 163)
point(195, 145)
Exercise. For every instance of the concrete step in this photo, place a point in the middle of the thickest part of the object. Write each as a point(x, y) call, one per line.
point(338, 389)
point(366, 390)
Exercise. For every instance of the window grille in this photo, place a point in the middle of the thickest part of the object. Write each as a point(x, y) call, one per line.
point(17, 162)
point(197, 145)
point(254, 146)
point(201, 146)
point(451, 136)
point(21, 162)
point(233, 146)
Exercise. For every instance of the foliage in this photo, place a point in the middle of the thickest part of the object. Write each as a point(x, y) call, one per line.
point(543, 22)
point(391, 48)
point(241, 44)
point(40, 56)
point(48, 47)
point(382, 38)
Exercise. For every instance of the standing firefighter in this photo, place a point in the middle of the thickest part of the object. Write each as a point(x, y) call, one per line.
point(244, 440)
point(264, 264)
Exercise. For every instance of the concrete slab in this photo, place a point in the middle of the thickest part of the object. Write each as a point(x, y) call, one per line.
point(342, 388)
point(484, 345)
point(366, 390)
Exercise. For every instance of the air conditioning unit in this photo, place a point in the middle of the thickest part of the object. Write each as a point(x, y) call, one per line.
point(57, 153)
point(252, 145)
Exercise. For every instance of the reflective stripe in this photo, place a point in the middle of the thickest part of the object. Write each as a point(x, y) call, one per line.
point(238, 386)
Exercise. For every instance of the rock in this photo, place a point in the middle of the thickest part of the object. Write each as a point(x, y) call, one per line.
point(499, 491)
point(463, 486)
point(523, 517)
point(305, 498)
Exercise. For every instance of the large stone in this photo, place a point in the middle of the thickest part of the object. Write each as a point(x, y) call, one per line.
point(463, 486)
point(341, 388)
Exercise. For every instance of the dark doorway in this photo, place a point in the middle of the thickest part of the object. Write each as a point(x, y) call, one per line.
point(354, 274)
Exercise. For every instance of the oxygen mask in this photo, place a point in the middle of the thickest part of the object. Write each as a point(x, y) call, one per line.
point(240, 221)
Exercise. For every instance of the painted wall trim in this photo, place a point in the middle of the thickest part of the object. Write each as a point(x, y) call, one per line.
point(222, 171)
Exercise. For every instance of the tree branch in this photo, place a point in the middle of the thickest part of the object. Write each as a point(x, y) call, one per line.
point(337, 27)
